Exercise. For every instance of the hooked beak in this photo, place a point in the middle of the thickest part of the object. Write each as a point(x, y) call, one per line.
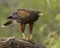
point(40, 14)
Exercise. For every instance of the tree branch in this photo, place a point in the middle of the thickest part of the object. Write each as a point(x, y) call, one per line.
point(13, 42)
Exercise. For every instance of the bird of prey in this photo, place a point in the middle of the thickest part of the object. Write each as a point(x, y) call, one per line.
point(24, 16)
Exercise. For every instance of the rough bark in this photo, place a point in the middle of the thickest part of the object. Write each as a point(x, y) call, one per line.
point(13, 42)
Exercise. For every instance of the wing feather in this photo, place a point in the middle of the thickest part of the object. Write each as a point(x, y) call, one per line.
point(23, 14)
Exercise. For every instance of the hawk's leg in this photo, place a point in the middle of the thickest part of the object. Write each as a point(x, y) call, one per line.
point(30, 30)
point(22, 28)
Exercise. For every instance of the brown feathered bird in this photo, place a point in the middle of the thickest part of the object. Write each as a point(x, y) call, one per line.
point(24, 16)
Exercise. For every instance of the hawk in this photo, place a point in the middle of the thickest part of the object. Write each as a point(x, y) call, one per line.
point(24, 16)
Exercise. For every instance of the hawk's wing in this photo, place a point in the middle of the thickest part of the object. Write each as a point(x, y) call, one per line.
point(23, 14)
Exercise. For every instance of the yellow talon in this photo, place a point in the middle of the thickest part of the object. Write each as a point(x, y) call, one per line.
point(24, 36)
point(30, 36)
point(27, 38)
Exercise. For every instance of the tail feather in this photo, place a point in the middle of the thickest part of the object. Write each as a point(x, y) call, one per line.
point(10, 17)
point(7, 23)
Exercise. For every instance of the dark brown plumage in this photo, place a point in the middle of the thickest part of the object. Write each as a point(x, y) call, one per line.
point(24, 16)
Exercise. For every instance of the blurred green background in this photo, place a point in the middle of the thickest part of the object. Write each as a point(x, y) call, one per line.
point(46, 29)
